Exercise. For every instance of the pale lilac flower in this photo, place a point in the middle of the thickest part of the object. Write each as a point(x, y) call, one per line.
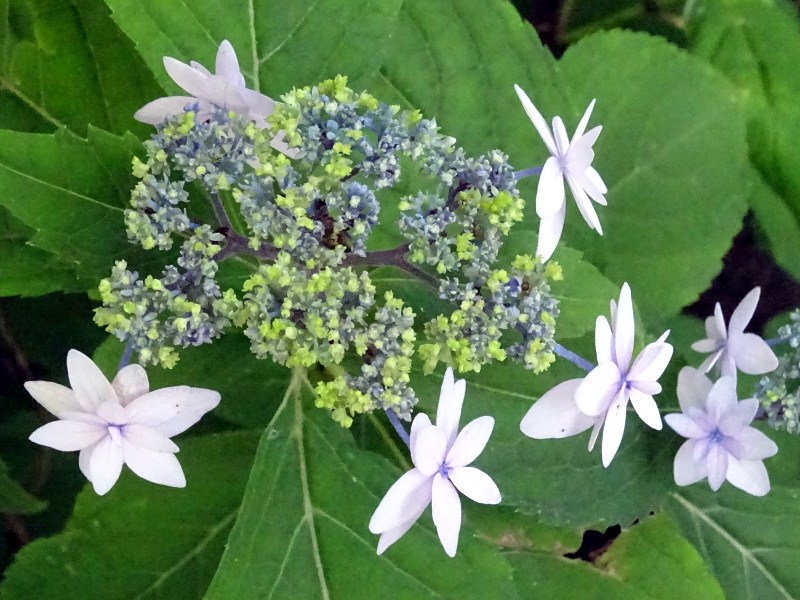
point(118, 422)
point(209, 91)
point(440, 455)
point(570, 160)
point(601, 398)
point(731, 347)
point(721, 443)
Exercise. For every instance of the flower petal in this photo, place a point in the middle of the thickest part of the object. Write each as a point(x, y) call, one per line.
point(717, 464)
point(84, 459)
point(716, 328)
point(159, 110)
point(741, 416)
point(550, 234)
point(191, 80)
point(130, 383)
point(722, 398)
point(550, 194)
point(90, 386)
point(598, 425)
point(603, 340)
point(598, 389)
point(624, 329)
point(560, 135)
point(446, 508)
point(470, 442)
point(584, 204)
point(475, 485)
point(750, 444)
point(693, 388)
point(584, 120)
point(685, 426)
point(686, 470)
point(556, 415)
point(159, 467)
point(429, 450)
point(752, 354)
point(392, 535)
point(597, 182)
point(172, 410)
point(748, 475)
point(744, 312)
point(68, 435)
point(451, 398)
point(408, 496)
point(651, 362)
point(261, 106)
point(148, 438)
point(105, 465)
point(646, 408)
point(55, 398)
point(420, 422)
point(614, 427)
point(227, 64)
point(537, 119)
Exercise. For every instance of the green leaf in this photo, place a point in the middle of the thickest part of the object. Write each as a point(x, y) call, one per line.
point(64, 63)
point(650, 560)
point(751, 545)
point(302, 531)
point(672, 149)
point(279, 45)
point(73, 193)
point(15, 499)
point(756, 45)
point(157, 542)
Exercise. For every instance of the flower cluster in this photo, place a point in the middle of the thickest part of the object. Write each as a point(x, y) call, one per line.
point(779, 391)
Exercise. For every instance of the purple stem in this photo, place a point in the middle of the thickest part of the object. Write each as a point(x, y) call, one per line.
point(398, 426)
point(572, 357)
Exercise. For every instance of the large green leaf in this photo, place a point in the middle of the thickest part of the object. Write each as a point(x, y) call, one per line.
point(302, 531)
point(279, 45)
point(756, 45)
point(142, 540)
point(752, 545)
point(14, 498)
point(63, 63)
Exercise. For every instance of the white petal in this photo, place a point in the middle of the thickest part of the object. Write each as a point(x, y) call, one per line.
point(227, 65)
point(584, 121)
point(741, 416)
point(90, 386)
point(148, 438)
point(259, 105)
point(105, 465)
point(614, 427)
point(446, 508)
point(717, 326)
point(603, 340)
point(550, 190)
point(750, 444)
point(693, 388)
point(651, 388)
point(172, 410)
point(598, 425)
point(550, 233)
point(197, 66)
point(191, 80)
point(409, 496)
point(646, 408)
point(159, 467)
point(704, 345)
point(722, 398)
point(429, 450)
point(717, 464)
point(68, 435)
point(223, 93)
point(744, 312)
point(161, 109)
point(685, 426)
point(598, 389)
point(589, 185)
point(748, 475)
point(84, 459)
point(451, 398)
point(420, 422)
point(130, 383)
point(556, 415)
point(537, 119)
point(580, 154)
point(475, 485)
point(597, 182)
point(584, 204)
point(470, 442)
point(55, 398)
point(392, 535)
point(624, 329)
point(686, 470)
point(560, 136)
point(651, 362)
point(112, 413)
point(751, 354)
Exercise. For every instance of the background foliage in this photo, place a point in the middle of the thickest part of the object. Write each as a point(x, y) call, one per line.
point(699, 114)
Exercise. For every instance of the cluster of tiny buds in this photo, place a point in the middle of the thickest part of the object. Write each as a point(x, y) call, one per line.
point(302, 226)
point(779, 391)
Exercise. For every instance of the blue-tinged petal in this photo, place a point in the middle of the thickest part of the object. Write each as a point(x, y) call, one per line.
point(556, 415)
point(159, 467)
point(584, 205)
point(717, 465)
point(750, 444)
point(105, 465)
point(748, 475)
point(189, 79)
point(90, 386)
point(646, 408)
point(130, 383)
point(475, 485)
point(722, 399)
point(751, 354)
point(68, 435)
point(584, 121)
point(550, 195)
point(744, 312)
point(446, 509)
point(603, 340)
point(227, 65)
point(172, 410)
point(686, 470)
point(537, 119)
point(429, 450)
point(451, 399)
point(550, 233)
point(598, 389)
point(409, 496)
point(159, 110)
point(614, 427)
point(148, 438)
point(470, 442)
point(685, 426)
point(624, 329)
point(693, 388)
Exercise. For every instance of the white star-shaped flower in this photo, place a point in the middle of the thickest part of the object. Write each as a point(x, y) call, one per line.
point(731, 347)
point(440, 455)
point(601, 398)
point(721, 443)
point(570, 160)
point(118, 422)
point(209, 91)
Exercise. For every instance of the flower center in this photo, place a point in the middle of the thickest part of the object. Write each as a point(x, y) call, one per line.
point(444, 470)
point(115, 431)
point(716, 436)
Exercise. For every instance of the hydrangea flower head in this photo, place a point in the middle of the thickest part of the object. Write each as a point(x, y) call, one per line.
point(601, 398)
point(731, 347)
point(118, 422)
point(570, 160)
point(440, 455)
point(721, 443)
